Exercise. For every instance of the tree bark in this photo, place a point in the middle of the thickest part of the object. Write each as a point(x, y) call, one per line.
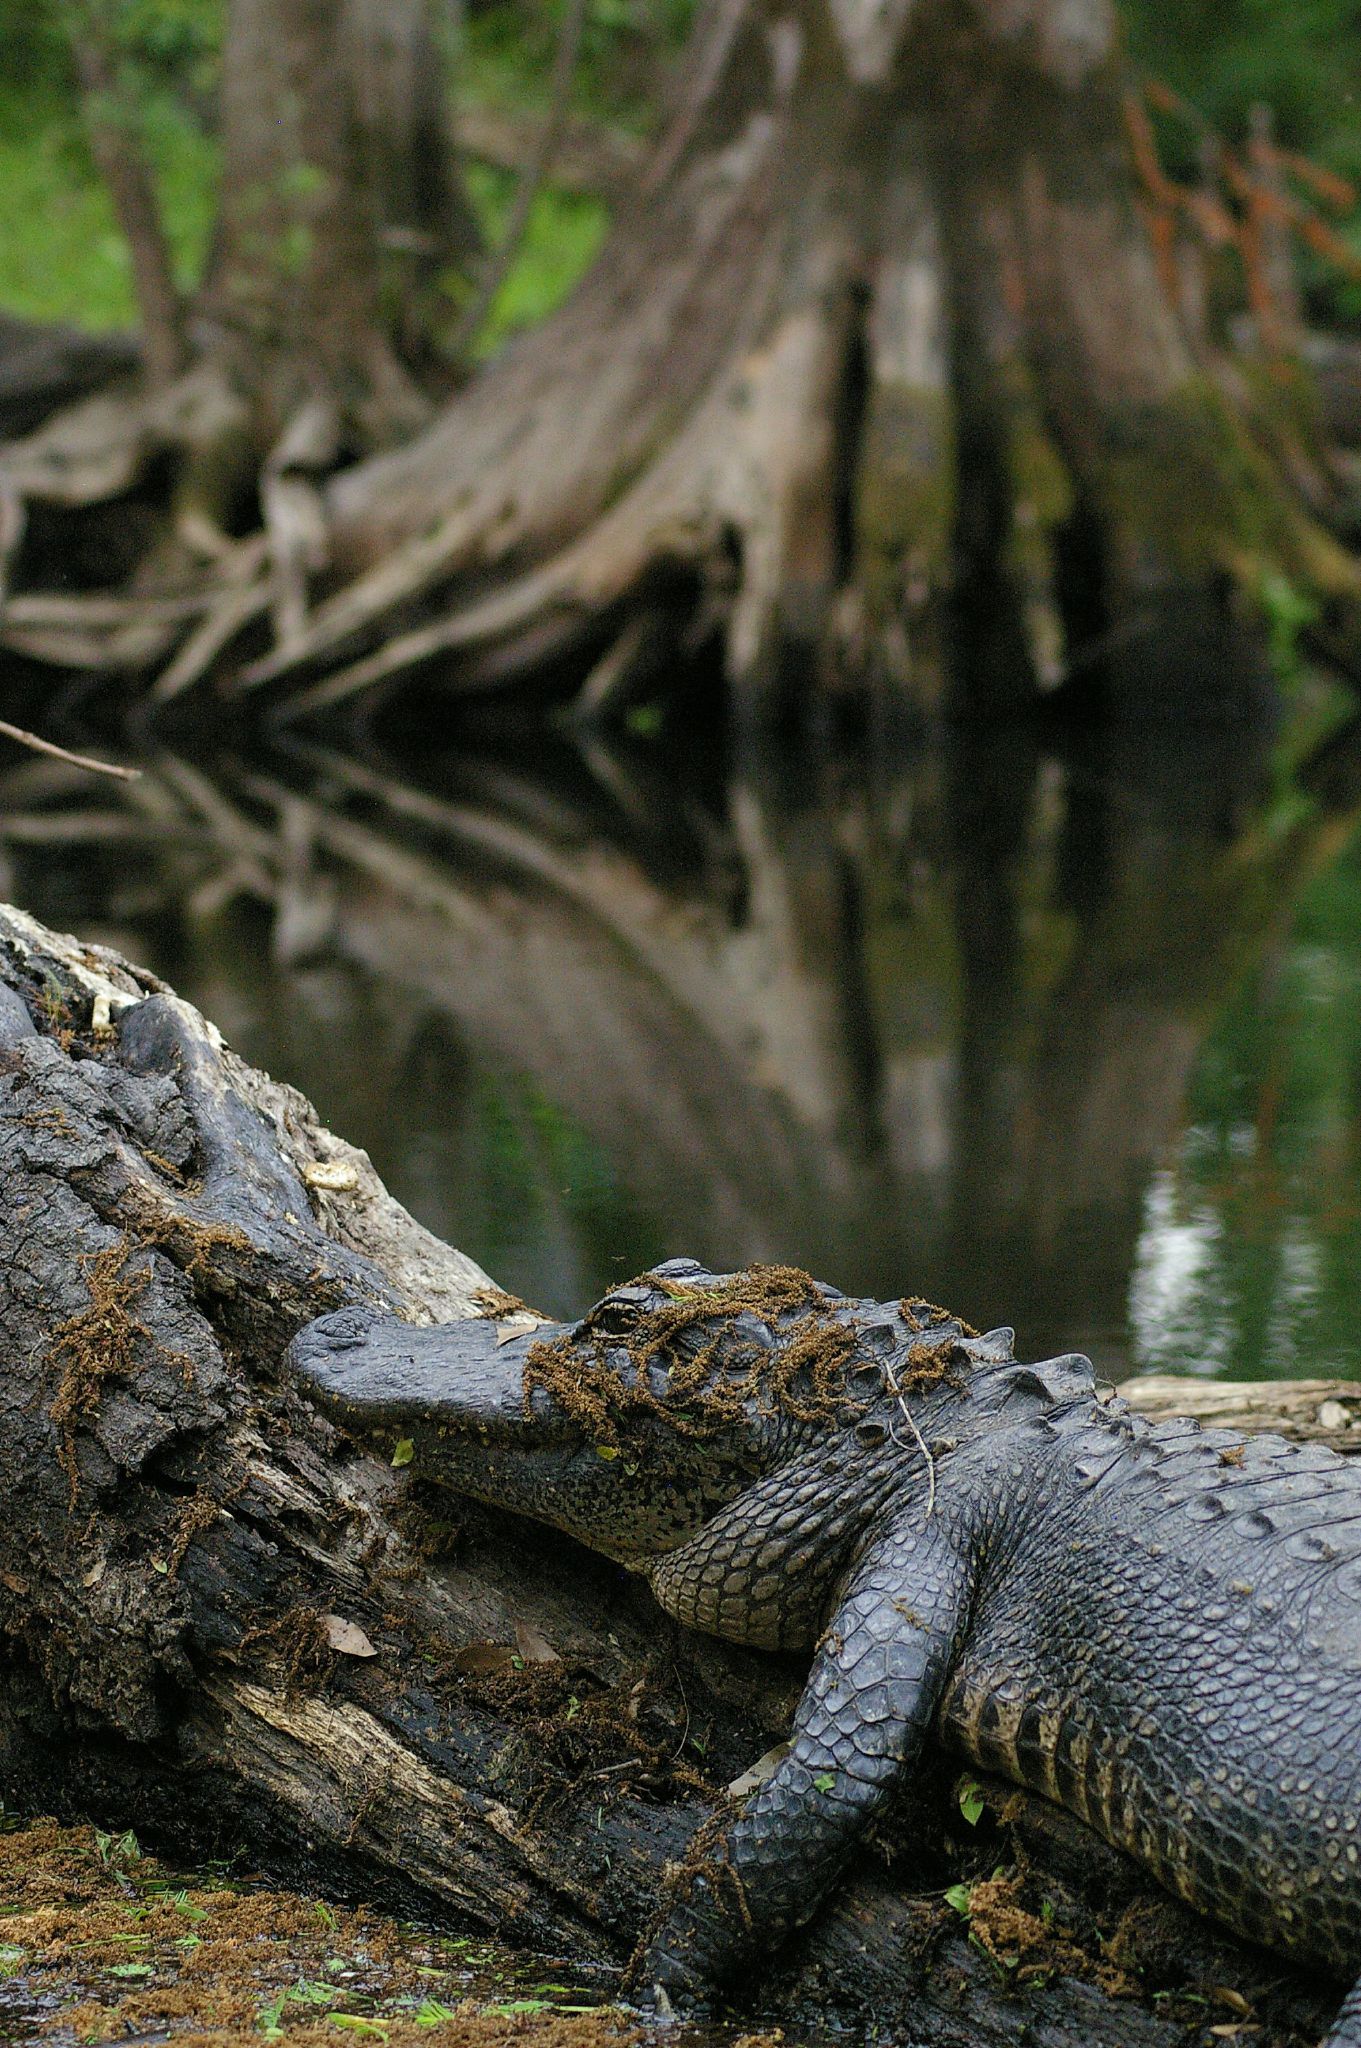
point(299, 264)
point(190, 1550)
point(890, 325)
point(883, 325)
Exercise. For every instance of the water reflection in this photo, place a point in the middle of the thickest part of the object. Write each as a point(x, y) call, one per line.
point(1024, 1030)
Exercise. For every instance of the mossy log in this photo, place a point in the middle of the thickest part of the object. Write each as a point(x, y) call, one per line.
point(228, 1627)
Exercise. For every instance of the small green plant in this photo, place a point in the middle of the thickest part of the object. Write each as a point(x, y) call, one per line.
point(971, 1801)
point(115, 1850)
point(269, 2017)
point(432, 2012)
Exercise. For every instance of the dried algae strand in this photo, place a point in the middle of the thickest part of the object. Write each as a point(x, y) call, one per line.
point(494, 1304)
point(104, 1340)
point(715, 1368)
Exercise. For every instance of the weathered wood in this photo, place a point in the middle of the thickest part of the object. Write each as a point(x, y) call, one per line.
point(195, 1565)
point(42, 367)
point(1313, 1411)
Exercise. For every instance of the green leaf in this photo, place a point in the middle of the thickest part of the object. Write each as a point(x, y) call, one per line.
point(357, 2023)
point(305, 1993)
point(824, 1782)
point(515, 2005)
point(131, 1970)
point(268, 2018)
point(324, 1914)
point(432, 2012)
point(971, 1801)
point(404, 1452)
point(958, 1897)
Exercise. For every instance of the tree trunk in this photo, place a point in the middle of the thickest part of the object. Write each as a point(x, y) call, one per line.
point(334, 152)
point(226, 1625)
point(890, 324)
point(111, 124)
point(883, 324)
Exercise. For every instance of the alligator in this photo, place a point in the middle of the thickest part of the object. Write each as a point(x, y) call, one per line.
point(1153, 1624)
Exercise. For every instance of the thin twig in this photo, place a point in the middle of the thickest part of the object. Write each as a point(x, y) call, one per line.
point(918, 1439)
point(531, 177)
point(41, 746)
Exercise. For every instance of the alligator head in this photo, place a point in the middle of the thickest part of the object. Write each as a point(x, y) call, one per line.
point(676, 1394)
point(630, 1428)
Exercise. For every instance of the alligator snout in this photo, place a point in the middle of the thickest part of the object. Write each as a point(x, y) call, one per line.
point(455, 1376)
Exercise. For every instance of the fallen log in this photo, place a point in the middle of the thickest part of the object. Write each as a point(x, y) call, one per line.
point(227, 1625)
point(46, 365)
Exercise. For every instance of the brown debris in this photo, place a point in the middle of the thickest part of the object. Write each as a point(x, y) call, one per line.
point(102, 1341)
point(719, 1383)
point(1020, 1940)
point(919, 1314)
point(301, 1638)
point(494, 1303)
point(112, 1948)
point(198, 1514)
point(575, 1735)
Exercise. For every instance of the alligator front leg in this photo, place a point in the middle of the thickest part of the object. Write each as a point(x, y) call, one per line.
point(875, 1684)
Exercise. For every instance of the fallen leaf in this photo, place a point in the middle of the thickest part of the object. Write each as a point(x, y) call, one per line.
point(346, 1638)
point(533, 1647)
point(405, 1451)
point(760, 1772)
point(518, 1326)
point(485, 1660)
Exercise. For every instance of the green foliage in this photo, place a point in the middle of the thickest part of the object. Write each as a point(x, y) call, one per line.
point(1289, 614)
point(509, 50)
point(62, 256)
point(61, 253)
point(563, 233)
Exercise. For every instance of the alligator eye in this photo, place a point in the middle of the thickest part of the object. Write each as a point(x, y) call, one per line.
point(871, 1432)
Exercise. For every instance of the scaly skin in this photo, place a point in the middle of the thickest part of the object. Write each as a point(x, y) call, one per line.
point(1154, 1625)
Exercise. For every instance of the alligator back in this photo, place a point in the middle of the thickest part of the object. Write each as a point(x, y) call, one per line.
point(1167, 1641)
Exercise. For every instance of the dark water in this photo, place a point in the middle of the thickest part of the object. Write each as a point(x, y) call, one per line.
point(1065, 1035)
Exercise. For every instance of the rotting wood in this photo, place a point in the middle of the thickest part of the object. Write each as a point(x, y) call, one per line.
point(170, 1662)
